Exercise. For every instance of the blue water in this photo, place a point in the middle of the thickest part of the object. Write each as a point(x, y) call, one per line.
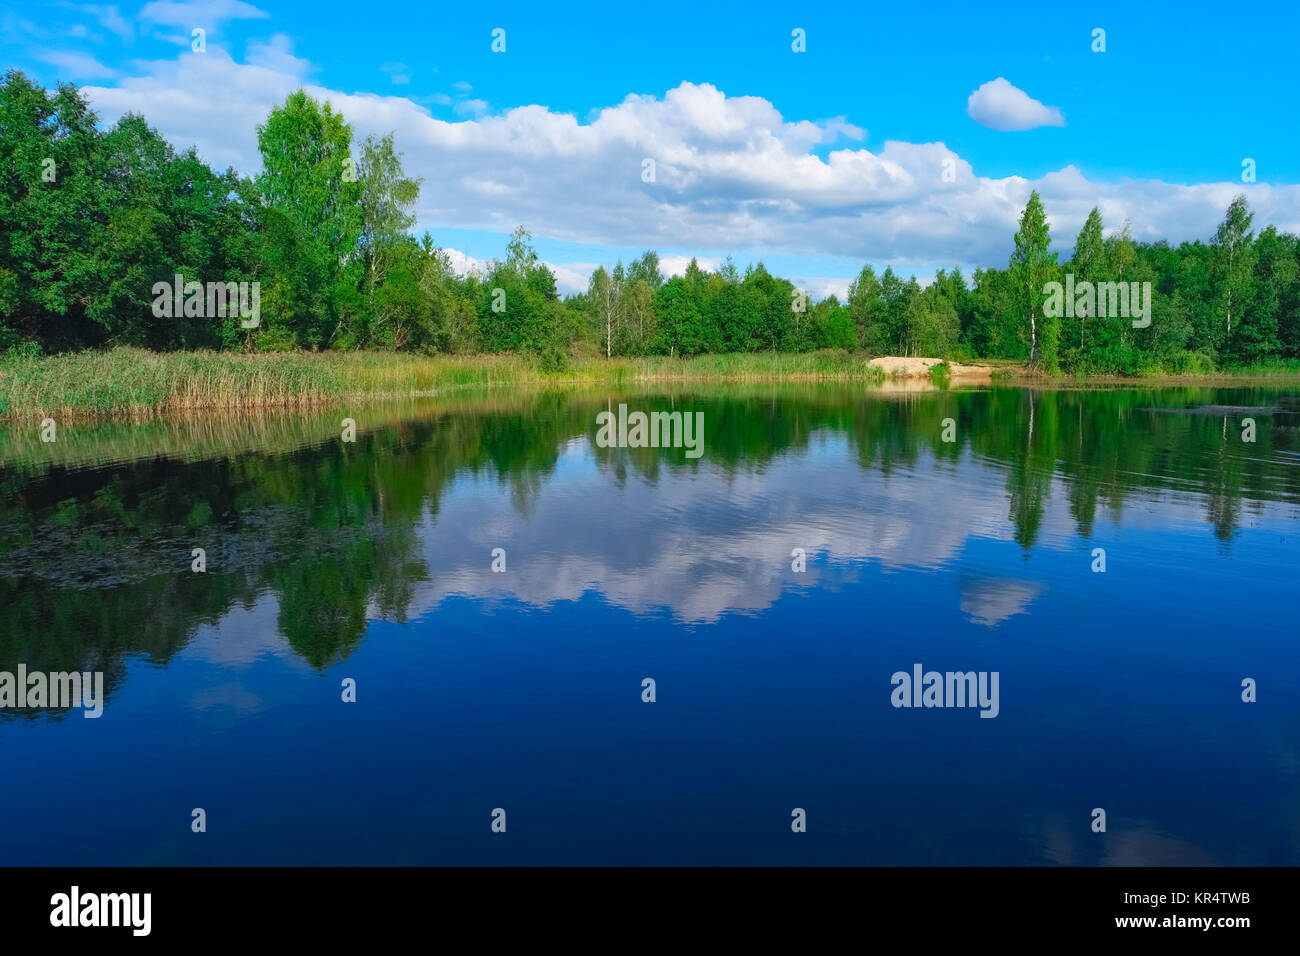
point(522, 690)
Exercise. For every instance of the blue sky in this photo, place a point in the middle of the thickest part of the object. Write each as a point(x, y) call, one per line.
point(760, 151)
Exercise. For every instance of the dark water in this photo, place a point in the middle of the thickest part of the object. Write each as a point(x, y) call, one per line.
point(522, 690)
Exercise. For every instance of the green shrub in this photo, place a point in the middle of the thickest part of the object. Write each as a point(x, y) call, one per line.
point(553, 359)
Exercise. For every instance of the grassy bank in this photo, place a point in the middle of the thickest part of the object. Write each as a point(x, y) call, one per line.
point(132, 382)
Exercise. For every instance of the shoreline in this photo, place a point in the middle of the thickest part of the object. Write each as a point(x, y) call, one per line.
point(127, 383)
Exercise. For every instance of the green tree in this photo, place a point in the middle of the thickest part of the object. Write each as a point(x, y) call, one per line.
point(602, 294)
point(387, 197)
point(1032, 267)
point(49, 210)
point(520, 254)
point(1273, 296)
point(681, 319)
point(646, 269)
point(309, 175)
point(932, 324)
point(1087, 262)
point(1234, 263)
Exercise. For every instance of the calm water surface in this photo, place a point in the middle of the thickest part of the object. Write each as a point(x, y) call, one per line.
point(522, 690)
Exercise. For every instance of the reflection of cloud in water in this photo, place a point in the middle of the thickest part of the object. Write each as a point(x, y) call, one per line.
point(703, 543)
point(233, 696)
point(989, 601)
point(1125, 843)
point(244, 635)
point(1132, 843)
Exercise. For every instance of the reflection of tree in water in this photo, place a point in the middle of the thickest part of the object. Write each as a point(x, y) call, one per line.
point(1223, 496)
point(1029, 481)
point(323, 598)
point(94, 562)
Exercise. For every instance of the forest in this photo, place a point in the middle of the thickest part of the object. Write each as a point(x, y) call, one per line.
point(91, 218)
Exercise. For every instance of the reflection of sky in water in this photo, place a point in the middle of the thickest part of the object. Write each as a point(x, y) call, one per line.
point(703, 544)
point(522, 689)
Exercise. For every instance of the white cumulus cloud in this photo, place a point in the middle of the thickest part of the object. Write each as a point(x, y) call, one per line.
point(77, 66)
point(1003, 107)
point(731, 173)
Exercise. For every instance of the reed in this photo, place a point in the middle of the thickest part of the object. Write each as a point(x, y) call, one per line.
point(128, 382)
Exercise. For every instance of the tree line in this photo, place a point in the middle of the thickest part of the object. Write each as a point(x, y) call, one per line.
point(91, 219)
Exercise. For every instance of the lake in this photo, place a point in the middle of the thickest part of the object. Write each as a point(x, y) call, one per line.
point(826, 539)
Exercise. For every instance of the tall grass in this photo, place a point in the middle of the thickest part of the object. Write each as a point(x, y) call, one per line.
point(132, 383)
point(135, 383)
point(1276, 367)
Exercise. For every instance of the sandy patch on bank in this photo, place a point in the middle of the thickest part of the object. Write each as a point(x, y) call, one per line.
point(894, 365)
